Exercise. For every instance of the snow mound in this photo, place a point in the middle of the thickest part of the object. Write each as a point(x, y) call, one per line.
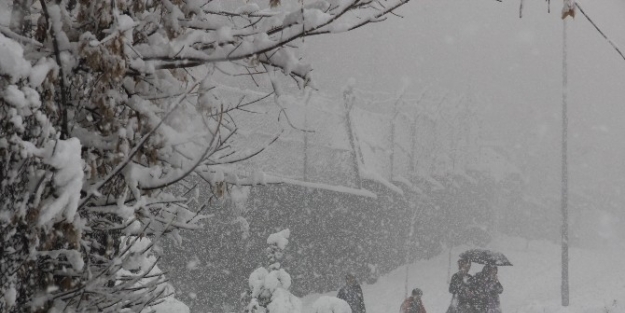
point(328, 304)
point(280, 239)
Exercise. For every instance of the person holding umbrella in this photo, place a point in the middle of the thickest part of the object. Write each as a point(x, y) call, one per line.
point(460, 289)
point(487, 288)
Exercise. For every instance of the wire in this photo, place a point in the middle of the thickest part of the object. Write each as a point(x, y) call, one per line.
point(599, 30)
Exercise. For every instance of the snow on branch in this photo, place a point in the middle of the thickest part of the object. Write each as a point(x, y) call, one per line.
point(65, 157)
point(270, 35)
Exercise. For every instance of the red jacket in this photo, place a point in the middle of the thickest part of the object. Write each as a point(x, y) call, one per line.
point(411, 305)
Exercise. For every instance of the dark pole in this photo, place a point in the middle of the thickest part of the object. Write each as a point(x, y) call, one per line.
point(565, 177)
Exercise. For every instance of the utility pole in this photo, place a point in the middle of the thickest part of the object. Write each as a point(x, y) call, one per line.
point(565, 176)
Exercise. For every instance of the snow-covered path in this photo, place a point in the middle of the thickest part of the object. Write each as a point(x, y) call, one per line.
point(532, 285)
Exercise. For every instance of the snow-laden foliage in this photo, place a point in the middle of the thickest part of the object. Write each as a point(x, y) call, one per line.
point(269, 286)
point(105, 104)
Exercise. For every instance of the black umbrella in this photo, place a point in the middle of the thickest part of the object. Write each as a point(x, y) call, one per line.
point(483, 256)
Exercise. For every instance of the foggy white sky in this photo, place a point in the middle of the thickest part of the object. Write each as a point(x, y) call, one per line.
point(482, 48)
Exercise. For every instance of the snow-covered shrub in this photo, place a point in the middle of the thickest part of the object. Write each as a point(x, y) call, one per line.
point(328, 304)
point(269, 286)
point(106, 104)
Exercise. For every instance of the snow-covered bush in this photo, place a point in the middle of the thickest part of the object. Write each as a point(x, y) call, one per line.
point(328, 304)
point(269, 286)
point(105, 104)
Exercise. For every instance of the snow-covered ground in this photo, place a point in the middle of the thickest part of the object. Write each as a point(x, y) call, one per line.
point(532, 285)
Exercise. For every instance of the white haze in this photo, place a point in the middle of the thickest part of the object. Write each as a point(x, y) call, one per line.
point(513, 67)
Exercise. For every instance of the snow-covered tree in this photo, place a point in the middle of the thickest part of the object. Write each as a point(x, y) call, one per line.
point(105, 104)
point(269, 286)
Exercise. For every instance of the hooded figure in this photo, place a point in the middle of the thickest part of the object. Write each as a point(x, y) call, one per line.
point(460, 288)
point(352, 294)
point(413, 304)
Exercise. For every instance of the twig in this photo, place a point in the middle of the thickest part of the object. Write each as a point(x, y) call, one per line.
point(249, 156)
point(199, 160)
point(9, 33)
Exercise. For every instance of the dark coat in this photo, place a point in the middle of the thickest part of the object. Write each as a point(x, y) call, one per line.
point(353, 296)
point(412, 305)
point(486, 292)
point(460, 287)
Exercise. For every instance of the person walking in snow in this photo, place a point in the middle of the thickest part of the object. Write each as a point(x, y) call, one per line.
point(460, 289)
point(487, 288)
point(413, 304)
point(352, 294)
